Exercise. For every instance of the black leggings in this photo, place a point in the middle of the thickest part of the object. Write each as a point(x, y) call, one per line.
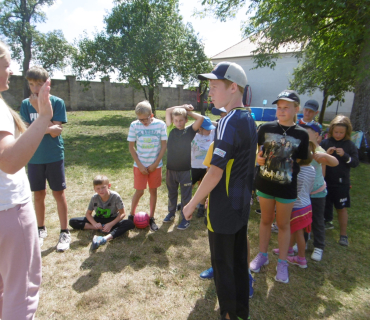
point(117, 230)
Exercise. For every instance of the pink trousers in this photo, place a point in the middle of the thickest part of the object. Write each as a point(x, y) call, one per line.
point(20, 263)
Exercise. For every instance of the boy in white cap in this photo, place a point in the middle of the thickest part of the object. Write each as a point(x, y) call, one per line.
point(229, 185)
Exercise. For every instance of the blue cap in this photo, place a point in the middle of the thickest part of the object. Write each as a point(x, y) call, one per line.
point(217, 112)
point(207, 124)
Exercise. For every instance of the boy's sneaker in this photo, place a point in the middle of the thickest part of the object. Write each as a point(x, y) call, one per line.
point(207, 274)
point(282, 274)
point(258, 211)
point(184, 224)
point(41, 242)
point(251, 290)
point(343, 241)
point(296, 260)
point(169, 218)
point(200, 213)
point(274, 228)
point(329, 225)
point(317, 254)
point(98, 241)
point(152, 224)
point(259, 261)
point(178, 207)
point(277, 251)
point(130, 217)
point(43, 233)
point(64, 241)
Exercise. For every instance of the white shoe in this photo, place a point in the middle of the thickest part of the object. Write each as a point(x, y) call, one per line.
point(41, 242)
point(295, 247)
point(64, 241)
point(317, 254)
point(43, 233)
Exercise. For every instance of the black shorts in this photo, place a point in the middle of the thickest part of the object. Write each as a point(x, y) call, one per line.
point(52, 172)
point(197, 174)
point(339, 196)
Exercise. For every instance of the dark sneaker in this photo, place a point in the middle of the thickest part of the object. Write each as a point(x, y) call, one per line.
point(329, 225)
point(207, 274)
point(343, 241)
point(169, 218)
point(97, 242)
point(282, 274)
point(258, 211)
point(130, 217)
point(152, 225)
point(64, 241)
point(184, 224)
point(259, 261)
point(178, 207)
point(251, 290)
point(200, 213)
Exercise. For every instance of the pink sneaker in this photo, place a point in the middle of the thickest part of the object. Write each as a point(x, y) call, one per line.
point(300, 262)
point(290, 251)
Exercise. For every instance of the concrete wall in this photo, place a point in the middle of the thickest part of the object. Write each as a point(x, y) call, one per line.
point(267, 83)
point(102, 95)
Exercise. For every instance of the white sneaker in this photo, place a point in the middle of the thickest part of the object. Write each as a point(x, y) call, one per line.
point(317, 254)
point(43, 233)
point(41, 242)
point(64, 241)
point(295, 247)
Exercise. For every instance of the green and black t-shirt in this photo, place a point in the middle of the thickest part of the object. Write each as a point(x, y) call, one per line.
point(107, 209)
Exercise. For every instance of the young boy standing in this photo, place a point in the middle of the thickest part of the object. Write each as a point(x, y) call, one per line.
point(179, 158)
point(48, 161)
point(229, 182)
point(310, 111)
point(150, 136)
point(109, 214)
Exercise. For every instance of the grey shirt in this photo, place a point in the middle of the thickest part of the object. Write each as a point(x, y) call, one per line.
point(107, 209)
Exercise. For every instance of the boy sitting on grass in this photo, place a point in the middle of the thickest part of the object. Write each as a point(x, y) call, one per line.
point(179, 158)
point(150, 136)
point(109, 214)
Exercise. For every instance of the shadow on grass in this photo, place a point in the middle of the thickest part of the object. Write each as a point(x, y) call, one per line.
point(205, 307)
point(110, 120)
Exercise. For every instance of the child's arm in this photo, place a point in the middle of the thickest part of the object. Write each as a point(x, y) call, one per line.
point(96, 225)
point(326, 159)
point(155, 164)
point(55, 128)
point(350, 158)
point(210, 180)
point(198, 119)
point(324, 169)
point(108, 226)
point(169, 115)
point(131, 147)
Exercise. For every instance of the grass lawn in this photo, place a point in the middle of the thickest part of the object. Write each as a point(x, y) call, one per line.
point(147, 275)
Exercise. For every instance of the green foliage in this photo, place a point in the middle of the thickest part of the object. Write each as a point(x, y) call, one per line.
point(145, 43)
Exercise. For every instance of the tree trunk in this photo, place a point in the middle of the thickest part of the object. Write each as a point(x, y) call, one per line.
point(26, 66)
point(324, 104)
point(201, 97)
point(360, 115)
point(151, 100)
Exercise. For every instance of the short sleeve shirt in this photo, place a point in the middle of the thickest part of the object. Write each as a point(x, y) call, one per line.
point(306, 177)
point(199, 148)
point(278, 177)
point(234, 152)
point(179, 148)
point(319, 178)
point(50, 149)
point(107, 209)
point(148, 140)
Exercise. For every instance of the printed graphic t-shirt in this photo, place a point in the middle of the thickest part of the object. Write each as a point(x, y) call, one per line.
point(148, 140)
point(278, 177)
point(199, 148)
point(179, 148)
point(50, 149)
point(107, 209)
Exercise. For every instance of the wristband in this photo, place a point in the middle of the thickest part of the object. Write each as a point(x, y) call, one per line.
point(349, 160)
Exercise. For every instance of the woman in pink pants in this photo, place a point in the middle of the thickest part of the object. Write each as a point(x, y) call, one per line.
point(20, 258)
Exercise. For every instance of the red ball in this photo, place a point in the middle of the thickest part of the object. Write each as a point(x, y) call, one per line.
point(141, 220)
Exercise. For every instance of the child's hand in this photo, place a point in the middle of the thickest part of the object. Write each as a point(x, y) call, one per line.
point(44, 103)
point(152, 168)
point(55, 130)
point(331, 150)
point(188, 212)
point(188, 107)
point(107, 227)
point(143, 169)
point(340, 152)
point(319, 157)
point(260, 159)
point(98, 226)
point(34, 101)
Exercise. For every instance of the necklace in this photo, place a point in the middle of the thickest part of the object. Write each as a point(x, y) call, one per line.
point(285, 131)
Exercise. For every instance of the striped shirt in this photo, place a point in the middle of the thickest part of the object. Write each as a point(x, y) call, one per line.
point(305, 180)
point(148, 140)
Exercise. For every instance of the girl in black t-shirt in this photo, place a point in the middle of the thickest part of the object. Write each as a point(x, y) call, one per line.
point(281, 143)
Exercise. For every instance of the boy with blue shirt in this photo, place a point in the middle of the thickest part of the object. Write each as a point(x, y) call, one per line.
point(150, 137)
point(229, 183)
point(48, 161)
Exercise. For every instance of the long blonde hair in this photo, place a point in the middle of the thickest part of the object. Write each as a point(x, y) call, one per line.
point(17, 119)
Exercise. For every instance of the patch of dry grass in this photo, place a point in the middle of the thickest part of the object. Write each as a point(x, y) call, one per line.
point(147, 275)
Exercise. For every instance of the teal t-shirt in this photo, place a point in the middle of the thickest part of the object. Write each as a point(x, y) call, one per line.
point(319, 178)
point(50, 149)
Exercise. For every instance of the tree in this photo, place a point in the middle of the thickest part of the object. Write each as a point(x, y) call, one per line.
point(337, 31)
point(145, 43)
point(18, 20)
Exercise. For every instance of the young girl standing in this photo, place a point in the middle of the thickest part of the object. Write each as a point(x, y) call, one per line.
point(276, 181)
point(337, 178)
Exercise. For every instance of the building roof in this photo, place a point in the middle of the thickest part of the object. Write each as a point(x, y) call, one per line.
point(244, 48)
